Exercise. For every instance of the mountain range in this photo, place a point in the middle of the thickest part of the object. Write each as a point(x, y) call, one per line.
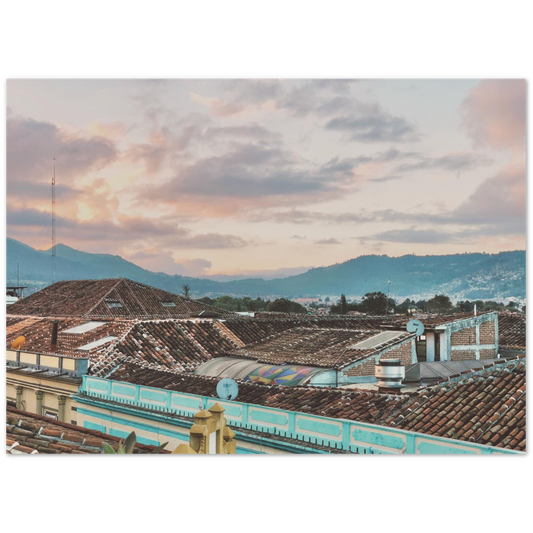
point(460, 276)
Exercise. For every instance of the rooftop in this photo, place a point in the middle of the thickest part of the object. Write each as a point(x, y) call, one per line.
point(109, 298)
point(512, 329)
point(27, 433)
point(327, 348)
point(485, 406)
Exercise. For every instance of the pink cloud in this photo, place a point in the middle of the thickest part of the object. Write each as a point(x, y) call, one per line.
point(500, 199)
point(494, 114)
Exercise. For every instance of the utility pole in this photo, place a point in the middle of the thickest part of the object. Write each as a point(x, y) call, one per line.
point(388, 294)
point(54, 223)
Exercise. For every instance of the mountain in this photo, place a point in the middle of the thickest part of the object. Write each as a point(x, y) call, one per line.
point(35, 268)
point(461, 276)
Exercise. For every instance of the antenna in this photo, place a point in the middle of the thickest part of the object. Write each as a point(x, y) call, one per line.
point(227, 389)
point(54, 223)
point(415, 326)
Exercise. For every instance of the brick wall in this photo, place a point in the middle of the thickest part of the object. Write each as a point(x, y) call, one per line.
point(487, 332)
point(463, 355)
point(366, 367)
point(487, 354)
point(464, 337)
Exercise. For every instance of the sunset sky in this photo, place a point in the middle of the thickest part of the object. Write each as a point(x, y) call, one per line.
point(203, 177)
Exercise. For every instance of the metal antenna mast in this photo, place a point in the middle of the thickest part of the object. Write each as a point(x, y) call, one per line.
point(54, 223)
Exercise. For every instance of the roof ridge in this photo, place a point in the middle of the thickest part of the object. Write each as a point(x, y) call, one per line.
point(104, 296)
point(137, 300)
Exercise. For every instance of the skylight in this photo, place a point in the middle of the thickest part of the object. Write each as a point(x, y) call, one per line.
point(113, 304)
point(168, 304)
point(95, 344)
point(84, 328)
point(376, 340)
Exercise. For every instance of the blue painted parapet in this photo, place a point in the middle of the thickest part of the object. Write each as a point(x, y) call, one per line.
point(347, 435)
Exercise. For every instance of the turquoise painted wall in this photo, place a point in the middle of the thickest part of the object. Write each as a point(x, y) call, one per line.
point(302, 428)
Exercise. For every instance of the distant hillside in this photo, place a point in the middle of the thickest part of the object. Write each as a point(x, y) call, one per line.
point(461, 276)
point(468, 276)
point(36, 269)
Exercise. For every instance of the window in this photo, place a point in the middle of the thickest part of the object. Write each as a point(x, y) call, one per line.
point(168, 304)
point(113, 304)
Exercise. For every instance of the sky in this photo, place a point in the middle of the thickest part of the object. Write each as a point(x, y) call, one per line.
point(267, 177)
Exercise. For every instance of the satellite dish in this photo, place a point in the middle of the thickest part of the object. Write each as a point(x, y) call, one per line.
point(227, 389)
point(18, 342)
point(415, 326)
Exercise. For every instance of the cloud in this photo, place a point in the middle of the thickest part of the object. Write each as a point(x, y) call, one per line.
point(330, 99)
point(32, 145)
point(328, 241)
point(494, 114)
point(123, 230)
point(499, 200)
point(417, 236)
point(496, 208)
point(296, 216)
point(373, 124)
point(158, 260)
point(213, 240)
point(384, 179)
point(219, 108)
point(453, 162)
point(262, 173)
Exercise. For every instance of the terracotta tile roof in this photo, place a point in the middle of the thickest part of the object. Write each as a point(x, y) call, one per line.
point(183, 344)
point(432, 321)
point(176, 345)
point(256, 329)
point(328, 348)
point(27, 433)
point(365, 406)
point(12, 320)
point(108, 298)
point(486, 407)
point(512, 330)
point(38, 334)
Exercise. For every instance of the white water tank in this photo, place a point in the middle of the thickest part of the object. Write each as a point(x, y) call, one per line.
point(390, 374)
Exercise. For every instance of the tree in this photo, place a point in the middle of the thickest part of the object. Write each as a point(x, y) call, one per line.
point(185, 290)
point(374, 303)
point(465, 306)
point(439, 304)
point(282, 305)
point(344, 305)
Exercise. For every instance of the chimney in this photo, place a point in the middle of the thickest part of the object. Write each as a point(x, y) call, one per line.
point(390, 373)
point(53, 344)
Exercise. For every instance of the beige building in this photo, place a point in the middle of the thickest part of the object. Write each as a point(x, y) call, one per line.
point(43, 384)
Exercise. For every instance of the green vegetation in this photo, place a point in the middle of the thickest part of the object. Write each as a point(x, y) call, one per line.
point(375, 303)
point(229, 303)
point(128, 445)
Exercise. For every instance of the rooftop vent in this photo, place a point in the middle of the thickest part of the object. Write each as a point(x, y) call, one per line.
point(390, 373)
